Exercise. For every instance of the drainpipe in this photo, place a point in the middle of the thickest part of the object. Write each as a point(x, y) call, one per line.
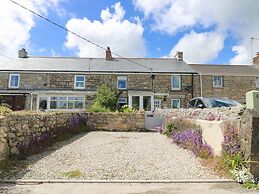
point(201, 84)
point(192, 87)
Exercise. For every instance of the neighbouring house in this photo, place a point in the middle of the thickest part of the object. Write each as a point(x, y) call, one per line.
point(227, 81)
point(54, 83)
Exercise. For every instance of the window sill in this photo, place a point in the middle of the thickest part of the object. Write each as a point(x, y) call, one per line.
point(176, 89)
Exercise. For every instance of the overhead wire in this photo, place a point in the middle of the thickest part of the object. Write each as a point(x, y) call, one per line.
point(79, 36)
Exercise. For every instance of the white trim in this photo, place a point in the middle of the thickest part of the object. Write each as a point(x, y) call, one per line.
point(58, 95)
point(75, 81)
point(10, 79)
point(221, 80)
point(159, 102)
point(123, 78)
point(177, 99)
point(180, 82)
point(256, 85)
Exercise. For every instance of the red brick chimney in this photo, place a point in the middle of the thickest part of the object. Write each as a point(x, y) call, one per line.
point(108, 54)
point(256, 59)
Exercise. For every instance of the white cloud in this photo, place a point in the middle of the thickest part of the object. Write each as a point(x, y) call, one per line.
point(16, 23)
point(123, 36)
point(237, 18)
point(199, 47)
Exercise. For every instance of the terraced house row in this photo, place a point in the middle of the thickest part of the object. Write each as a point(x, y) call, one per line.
point(56, 83)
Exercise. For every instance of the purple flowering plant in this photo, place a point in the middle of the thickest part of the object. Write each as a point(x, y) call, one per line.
point(192, 140)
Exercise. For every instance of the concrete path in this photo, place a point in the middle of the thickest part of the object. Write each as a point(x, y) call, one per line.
point(118, 188)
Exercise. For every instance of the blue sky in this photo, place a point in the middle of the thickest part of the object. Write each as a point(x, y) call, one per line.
point(214, 33)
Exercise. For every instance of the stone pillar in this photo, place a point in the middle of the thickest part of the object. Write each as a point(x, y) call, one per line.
point(249, 136)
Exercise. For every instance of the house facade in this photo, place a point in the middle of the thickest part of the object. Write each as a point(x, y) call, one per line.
point(49, 83)
point(58, 83)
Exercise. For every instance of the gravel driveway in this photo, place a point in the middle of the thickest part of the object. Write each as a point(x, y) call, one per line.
point(115, 155)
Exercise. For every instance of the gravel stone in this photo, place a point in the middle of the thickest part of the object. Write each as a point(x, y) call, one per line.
point(116, 156)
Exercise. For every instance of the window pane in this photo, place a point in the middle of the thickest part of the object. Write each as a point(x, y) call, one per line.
point(122, 100)
point(71, 104)
point(135, 102)
point(147, 103)
point(14, 80)
point(122, 84)
point(79, 105)
point(62, 104)
point(175, 103)
point(53, 105)
point(257, 82)
point(79, 84)
point(80, 78)
point(157, 103)
point(176, 81)
point(217, 81)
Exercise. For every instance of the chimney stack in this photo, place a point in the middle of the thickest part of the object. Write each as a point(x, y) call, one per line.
point(256, 59)
point(22, 53)
point(108, 54)
point(179, 56)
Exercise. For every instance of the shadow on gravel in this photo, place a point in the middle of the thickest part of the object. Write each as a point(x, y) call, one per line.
point(14, 169)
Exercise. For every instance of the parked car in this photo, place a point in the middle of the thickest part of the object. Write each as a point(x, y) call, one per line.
point(201, 102)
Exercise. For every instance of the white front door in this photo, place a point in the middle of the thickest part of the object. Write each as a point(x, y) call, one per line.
point(142, 102)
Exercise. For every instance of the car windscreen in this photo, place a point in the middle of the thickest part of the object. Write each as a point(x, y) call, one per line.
point(218, 102)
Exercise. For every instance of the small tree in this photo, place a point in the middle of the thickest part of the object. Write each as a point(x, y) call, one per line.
point(106, 96)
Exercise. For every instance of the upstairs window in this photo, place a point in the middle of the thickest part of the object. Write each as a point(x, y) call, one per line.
point(14, 80)
point(217, 81)
point(176, 82)
point(122, 82)
point(257, 82)
point(79, 82)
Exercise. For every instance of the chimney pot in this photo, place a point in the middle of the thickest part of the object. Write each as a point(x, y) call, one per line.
point(256, 59)
point(179, 56)
point(22, 53)
point(108, 54)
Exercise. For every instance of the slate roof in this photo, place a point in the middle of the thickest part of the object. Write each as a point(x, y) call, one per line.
point(70, 64)
point(227, 70)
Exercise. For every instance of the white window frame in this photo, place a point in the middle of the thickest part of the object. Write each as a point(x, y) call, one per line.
point(48, 97)
point(257, 82)
point(157, 101)
point(180, 82)
point(83, 87)
point(124, 78)
point(126, 100)
point(221, 80)
point(10, 81)
point(177, 99)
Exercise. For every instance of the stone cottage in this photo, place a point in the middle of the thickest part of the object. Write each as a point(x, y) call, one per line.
point(54, 83)
point(227, 81)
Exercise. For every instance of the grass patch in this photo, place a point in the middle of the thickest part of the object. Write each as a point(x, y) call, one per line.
point(73, 174)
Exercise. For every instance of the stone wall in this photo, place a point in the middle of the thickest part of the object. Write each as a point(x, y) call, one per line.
point(20, 130)
point(116, 121)
point(213, 123)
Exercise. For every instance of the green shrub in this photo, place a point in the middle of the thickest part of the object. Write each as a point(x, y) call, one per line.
point(4, 110)
point(96, 107)
point(107, 97)
point(170, 128)
point(127, 109)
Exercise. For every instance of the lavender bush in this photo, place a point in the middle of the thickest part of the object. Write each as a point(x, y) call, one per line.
point(192, 140)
